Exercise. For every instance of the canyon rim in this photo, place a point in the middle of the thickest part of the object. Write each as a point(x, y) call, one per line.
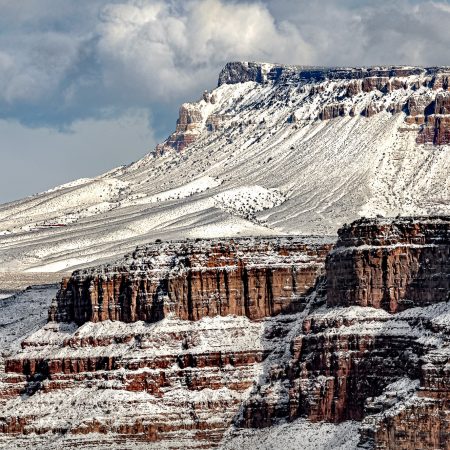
point(273, 275)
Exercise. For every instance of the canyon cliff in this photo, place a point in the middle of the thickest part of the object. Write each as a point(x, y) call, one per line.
point(271, 150)
point(191, 280)
point(179, 341)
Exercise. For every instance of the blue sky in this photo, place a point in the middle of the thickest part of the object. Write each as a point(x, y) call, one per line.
point(87, 85)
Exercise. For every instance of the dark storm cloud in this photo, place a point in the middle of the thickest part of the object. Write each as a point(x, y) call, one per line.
point(62, 60)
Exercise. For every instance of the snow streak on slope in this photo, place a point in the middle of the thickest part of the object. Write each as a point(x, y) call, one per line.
point(24, 313)
point(264, 162)
point(20, 315)
point(300, 434)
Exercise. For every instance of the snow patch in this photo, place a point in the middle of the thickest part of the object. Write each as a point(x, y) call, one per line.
point(194, 187)
point(300, 434)
point(247, 200)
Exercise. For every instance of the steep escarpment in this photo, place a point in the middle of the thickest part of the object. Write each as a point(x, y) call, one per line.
point(391, 265)
point(177, 376)
point(368, 342)
point(191, 280)
point(272, 150)
point(420, 93)
point(241, 72)
point(356, 359)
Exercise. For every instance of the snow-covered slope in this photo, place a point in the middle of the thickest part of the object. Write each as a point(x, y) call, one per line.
point(300, 434)
point(272, 150)
point(226, 344)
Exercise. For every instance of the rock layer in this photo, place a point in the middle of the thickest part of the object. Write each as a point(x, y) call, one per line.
point(369, 342)
point(425, 102)
point(390, 265)
point(192, 280)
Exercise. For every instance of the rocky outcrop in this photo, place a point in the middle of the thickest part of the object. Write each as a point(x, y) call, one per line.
point(332, 111)
point(174, 340)
point(436, 127)
point(109, 383)
point(431, 111)
point(425, 101)
point(375, 77)
point(359, 357)
point(192, 280)
point(392, 265)
point(143, 404)
point(216, 122)
point(412, 414)
point(189, 125)
point(338, 92)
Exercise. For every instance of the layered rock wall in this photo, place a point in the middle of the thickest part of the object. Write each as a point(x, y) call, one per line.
point(247, 278)
point(422, 96)
point(390, 265)
point(352, 355)
point(184, 339)
point(376, 77)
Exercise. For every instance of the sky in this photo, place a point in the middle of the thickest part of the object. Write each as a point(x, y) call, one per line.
point(88, 85)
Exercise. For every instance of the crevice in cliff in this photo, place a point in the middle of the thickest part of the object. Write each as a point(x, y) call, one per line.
point(385, 301)
point(157, 306)
point(294, 281)
point(227, 289)
point(190, 305)
point(269, 293)
point(246, 292)
point(203, 308)
point(122, 300)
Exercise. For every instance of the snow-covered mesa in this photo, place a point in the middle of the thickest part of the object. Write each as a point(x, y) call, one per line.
point(263, 159)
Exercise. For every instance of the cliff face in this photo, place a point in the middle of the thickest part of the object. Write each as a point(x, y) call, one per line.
point(421, 93)
point(358, 357)
point(108, 384)
point(374, 77)
point(192, 280)
point(391, 265)
point(176, 333)
point(164, 347)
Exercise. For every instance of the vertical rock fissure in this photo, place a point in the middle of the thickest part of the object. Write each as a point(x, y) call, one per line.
point(227, 288)
point(385, 301)
point(293, 280)
point(204, 301)
point(269, 293)
point(86, 311)
point(100, 301)
point(122, 299)
point(246, 293)
point(157, 305)
point(190, 306)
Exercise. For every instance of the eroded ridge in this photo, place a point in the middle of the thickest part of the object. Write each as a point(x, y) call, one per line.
point(376, 348)
point(363, 335)
point(422, 94)
point(162, 346)
point(190, 280)
point(391, 265)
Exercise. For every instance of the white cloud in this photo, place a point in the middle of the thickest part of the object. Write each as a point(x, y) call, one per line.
point(160, 50)
point(35, 65)
point(66, 61)
point(133, 53)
